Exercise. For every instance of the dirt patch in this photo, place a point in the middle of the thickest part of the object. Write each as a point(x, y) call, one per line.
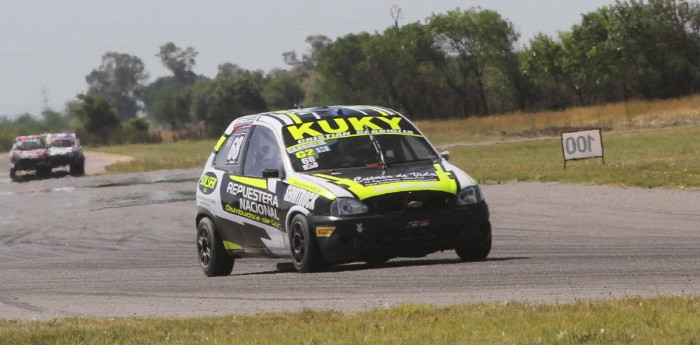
point(95, 162)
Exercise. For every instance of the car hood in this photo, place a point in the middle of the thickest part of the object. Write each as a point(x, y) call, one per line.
point(363, 183)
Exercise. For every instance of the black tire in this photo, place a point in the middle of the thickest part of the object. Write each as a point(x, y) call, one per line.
point(305, 253)
point(13, 174)
point(77, 168)
point(475, 253)
point(210, 250)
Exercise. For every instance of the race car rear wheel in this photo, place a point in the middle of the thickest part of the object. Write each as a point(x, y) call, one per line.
point(211, 252)
point(475, 253)
point(305, 253)
point(13, 174)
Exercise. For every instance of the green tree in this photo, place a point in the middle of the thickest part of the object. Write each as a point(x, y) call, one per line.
point(179, 61)
point(347, 76)
point(477, 43)
point(136, 131)
point(543, 65)
point(55, 121)
point(634, 49)
point(97, 119)
point(283, 89)
point(219, 101)
point(227, 70)
point(120, 79)
point(168, 101)
point(308, 61)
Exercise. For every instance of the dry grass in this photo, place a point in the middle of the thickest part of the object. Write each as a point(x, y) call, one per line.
point(618, 116)
point(660, 320)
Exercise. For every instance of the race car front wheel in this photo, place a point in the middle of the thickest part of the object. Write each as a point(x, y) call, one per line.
point(77, 168)
point(211, 252)
point(475, 253)
point(305, 253)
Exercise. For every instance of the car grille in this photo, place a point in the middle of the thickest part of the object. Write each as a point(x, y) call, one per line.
point(417, 235)
point(409, 203)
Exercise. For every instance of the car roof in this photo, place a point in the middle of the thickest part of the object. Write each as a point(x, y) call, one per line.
point(29, 137)
point(56, 136)
point(296, 116)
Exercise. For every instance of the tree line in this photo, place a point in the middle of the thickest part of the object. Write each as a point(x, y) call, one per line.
point(455, 64)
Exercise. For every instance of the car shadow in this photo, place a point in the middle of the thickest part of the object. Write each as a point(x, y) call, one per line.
point(29, 177)
point(288, 267)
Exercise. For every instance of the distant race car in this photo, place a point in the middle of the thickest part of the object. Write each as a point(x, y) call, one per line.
point(333, 185)
point(64, 149)
point(29, 152)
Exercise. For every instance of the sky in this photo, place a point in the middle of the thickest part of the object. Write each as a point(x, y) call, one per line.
point(47, 47)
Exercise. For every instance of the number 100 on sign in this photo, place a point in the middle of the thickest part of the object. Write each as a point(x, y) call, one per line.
point(582, 144)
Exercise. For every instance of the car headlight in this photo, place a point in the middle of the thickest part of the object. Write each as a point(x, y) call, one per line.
point(347, 207)
point(469, 195)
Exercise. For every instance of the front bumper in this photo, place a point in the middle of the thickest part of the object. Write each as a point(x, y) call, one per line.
point(380, 237)
point(28, 164)
point(66, 159)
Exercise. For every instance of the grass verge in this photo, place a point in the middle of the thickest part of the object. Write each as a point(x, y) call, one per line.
point(659, 320)
point(668, 158)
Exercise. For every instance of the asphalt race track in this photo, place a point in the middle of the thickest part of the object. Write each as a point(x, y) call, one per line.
point(123, 245)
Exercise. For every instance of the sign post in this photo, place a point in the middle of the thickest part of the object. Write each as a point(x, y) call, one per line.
point(582, 144)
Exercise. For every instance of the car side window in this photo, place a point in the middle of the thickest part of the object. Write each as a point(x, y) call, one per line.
point(262, 152)
point(229, 157)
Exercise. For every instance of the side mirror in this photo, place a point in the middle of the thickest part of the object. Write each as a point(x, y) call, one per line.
point(445, 155)
point(271, 173)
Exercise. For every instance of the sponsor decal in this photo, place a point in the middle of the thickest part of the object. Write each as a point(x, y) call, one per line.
point(207, 183)
point(381, 179)
point(306, 146)
point(343, 127)
point(359, 228)
point(301, 197)
point(258, 205)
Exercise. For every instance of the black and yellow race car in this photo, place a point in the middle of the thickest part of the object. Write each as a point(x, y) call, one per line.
point(332, 185)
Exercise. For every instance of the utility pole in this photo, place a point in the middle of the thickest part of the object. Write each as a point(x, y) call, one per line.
point(45, 97)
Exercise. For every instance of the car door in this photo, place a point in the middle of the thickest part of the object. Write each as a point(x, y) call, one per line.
point(257, 186)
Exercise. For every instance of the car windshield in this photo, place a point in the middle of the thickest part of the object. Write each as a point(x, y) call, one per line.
point(62, 143)
point(30, 144)
point(353, 149)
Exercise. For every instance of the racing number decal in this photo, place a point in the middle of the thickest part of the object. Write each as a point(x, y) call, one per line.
point(305, 153)
point(235, 150)
point(308, 160)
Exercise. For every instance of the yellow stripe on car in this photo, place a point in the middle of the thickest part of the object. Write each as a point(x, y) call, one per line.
point(251, 181)
point(220, 143)
point(292, 116)
point(444, 183)
point(231, 246)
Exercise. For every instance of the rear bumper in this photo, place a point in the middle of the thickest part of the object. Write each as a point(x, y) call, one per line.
point(382, 237)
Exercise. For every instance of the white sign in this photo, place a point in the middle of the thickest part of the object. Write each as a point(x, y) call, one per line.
point(582, 144)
